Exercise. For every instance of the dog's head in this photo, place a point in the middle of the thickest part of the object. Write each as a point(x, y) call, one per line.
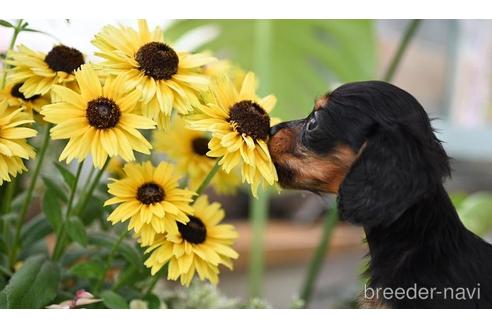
point(369, 142)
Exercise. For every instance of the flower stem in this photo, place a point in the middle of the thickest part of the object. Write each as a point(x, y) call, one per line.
point(319, 255)
point(30, 191)
point(208, 179)
point(60, 241)
point(8, 195)
point(17, 30)
point(89, 178)
point(259, 207)
point(73, 191)
point(109, 261)
point(59, 247)
point(155, 279)
point(87, 195)
point(402, 47)
point(259, 214)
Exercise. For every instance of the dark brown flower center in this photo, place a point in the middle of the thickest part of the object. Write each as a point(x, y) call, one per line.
point(194, 231)
point(249, 118)
point(103, 113)
point(150, 193)
point(15, 92)
point(64, 59)
point(157, 60)
point(200, 146)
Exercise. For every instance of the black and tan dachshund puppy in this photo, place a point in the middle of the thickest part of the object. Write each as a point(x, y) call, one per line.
point(372, 144)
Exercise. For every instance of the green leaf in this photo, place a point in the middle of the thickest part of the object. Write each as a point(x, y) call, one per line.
point(129, 276)
point(88, 270)
point(113, 300)
point(53, 187)
point(3, 282)
point(476, 212)
point(4, 271)
point(306, 56)
point(76, 230)
point(93, 210)
point(33, 286)
point(9, 221)
point(10, 217)
point(125, 250)
point(68, 176)
point(3, 300)
point(3, 246)
point(4, 23)
point(52, 210)
point(41, 32)
point(35, 230)
point(18, 201)
point(153, 301)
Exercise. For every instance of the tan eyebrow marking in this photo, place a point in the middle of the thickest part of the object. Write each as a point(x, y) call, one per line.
point(321, 102)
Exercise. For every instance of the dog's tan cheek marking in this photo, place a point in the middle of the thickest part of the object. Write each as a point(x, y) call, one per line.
point(311, 171)
point(318, 173)
point(280, 143)
point(343, 158)
point(330, 171)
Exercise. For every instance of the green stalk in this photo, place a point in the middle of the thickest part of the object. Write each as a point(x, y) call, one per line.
point(60, 241)
point(259, 214)
point(86, 187)
point(17, 30)
point(30, 191)
point(259, 207)
point(208, 179)
point(73, 191)
point(89, 178)
point(404, 42)
point(317, 260)
point(155, 280)
point(8, 195)
point(86, 196)
point(109, 260)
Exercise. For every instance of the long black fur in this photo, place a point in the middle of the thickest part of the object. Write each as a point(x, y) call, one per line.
point(395, 191)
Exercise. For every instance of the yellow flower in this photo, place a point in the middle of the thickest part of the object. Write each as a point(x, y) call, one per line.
point(199, 246)
point(38, 72)
point(166, 78)
point(218, 70)
point(223, 67)
point(115, 167)
point(13, 144)
point(151, 198)
point(240, 125)
point(99, 120)
point(188, 148)
point(16, 99)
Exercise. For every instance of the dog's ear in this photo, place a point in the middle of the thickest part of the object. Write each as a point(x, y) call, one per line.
point(391, 174)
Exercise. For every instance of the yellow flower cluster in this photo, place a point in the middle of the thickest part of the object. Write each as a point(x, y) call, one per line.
point(178, 232)
point(188, 148)
point(204, 113)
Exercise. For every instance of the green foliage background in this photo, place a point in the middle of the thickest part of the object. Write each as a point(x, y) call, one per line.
point(307, 57)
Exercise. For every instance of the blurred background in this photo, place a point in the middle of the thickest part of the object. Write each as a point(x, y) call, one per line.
point(447, 67)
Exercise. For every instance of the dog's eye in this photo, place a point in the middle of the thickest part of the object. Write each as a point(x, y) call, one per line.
point(312, 124)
